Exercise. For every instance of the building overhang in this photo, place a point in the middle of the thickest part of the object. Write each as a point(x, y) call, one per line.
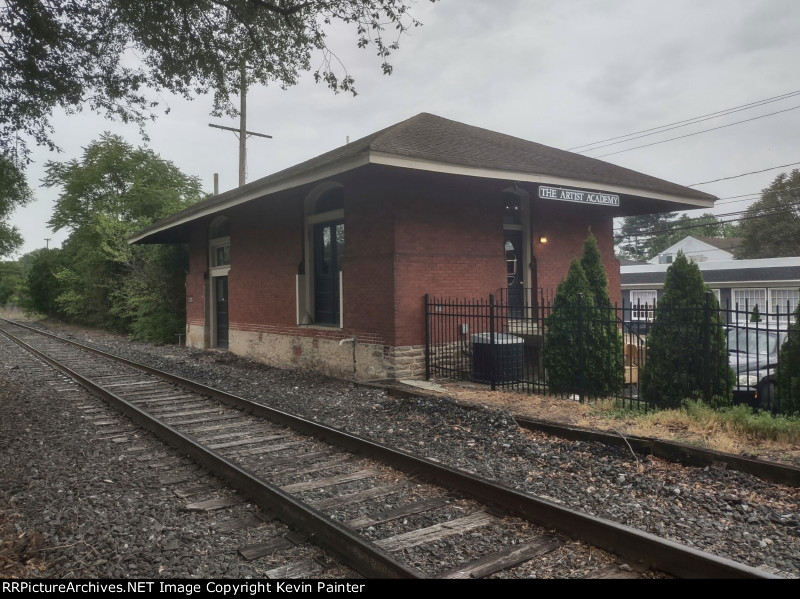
point(522, 177)
point(167, 230)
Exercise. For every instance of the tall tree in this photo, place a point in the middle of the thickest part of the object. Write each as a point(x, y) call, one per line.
point(113, 191)
point(771, 225)
point(643, 237)
point(14, 192)
point(41, 288)
point(636, 239)
point(76, 54)
point(10, 282)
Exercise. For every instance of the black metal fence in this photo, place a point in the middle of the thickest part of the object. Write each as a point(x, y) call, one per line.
point(711, 353)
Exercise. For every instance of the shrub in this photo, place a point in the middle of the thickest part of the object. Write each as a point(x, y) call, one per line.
point(788, 371)
point(607, 362)
point(581, 352)
point(687, 356)
point(562, 356)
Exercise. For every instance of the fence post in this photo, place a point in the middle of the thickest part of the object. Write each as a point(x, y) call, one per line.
point(581, 353)
point(427, 338)
point(707, 348)
point(493, 350)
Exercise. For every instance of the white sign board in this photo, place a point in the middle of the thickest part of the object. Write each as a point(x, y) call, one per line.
point(578, 195)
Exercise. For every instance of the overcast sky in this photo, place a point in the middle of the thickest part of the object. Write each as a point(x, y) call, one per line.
point(560, 73)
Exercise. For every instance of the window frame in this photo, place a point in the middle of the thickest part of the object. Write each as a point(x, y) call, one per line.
point(777, 306)
point(305, 302)
point(647, 308)
point(744, 309)
point(218, 270)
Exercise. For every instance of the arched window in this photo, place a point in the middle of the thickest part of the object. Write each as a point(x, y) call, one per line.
point(333, 199)
point(220, 227)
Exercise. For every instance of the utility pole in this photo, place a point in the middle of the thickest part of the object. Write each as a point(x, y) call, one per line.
point(243, 124)
point(242, 131)
point(47, 241)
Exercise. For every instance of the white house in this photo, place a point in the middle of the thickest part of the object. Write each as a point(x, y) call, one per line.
point(699, 249)
point(772, 284)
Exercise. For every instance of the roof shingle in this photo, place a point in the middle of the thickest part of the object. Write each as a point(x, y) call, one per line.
point(433, 138)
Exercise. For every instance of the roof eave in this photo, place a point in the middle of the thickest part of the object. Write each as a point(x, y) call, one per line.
point(238, 197)
point(241, 196)
point(488, 173)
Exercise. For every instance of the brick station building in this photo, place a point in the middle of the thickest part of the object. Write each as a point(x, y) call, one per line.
point(324, 265)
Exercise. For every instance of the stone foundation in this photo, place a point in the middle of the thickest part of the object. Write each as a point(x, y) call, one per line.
point(195, 336)
point(336, 357)
point(406, 362)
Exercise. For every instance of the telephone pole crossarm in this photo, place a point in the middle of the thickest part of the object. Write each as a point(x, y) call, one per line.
point(236, 130)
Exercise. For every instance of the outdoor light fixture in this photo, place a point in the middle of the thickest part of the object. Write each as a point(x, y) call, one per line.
point(543, 239)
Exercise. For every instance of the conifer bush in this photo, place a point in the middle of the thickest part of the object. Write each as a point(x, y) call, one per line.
point(687, 355)
point(582, 345)
point(788, 371)
point(564, 337)
point(606, 361)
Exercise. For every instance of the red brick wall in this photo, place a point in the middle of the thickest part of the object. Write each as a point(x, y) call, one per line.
point(566, 226)
point(367, 267)
point(448, 242)
point(266, 248)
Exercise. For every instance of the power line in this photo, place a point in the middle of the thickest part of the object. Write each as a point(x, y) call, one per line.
point(700, 225)
point(693, 119)
point(737, 213)
point(772, 168)
point(744, 197)
point(680, 124)
point(663, 141)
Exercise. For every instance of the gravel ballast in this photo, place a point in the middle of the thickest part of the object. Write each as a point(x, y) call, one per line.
point(725, 512)
point(82, 501)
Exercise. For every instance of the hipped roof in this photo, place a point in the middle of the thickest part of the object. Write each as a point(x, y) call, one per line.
point(432, 143)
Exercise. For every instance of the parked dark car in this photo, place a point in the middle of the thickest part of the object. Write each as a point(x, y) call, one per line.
point(753, 356)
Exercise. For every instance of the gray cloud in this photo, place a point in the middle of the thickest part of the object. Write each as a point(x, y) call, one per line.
point(560, 73)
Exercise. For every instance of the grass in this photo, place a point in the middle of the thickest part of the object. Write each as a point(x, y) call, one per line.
point(726, 429)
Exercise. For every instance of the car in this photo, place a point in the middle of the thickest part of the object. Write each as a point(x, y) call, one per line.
point(753, 355)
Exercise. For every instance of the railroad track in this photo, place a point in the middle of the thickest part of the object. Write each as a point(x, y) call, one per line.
point(334, 487)
point(680, 453)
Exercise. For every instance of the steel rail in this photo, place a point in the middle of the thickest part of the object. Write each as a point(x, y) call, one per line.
point(632, 544)
point(670, 450)
point(361, 555)
point(681, 453)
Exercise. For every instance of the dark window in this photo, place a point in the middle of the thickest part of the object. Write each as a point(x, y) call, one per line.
point(511, 214)
point(328, 250)
point(222, 255)
point(221, 306)
point(513, 250)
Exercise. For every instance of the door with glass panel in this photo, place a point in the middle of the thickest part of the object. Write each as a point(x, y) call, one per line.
point(328, 249)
